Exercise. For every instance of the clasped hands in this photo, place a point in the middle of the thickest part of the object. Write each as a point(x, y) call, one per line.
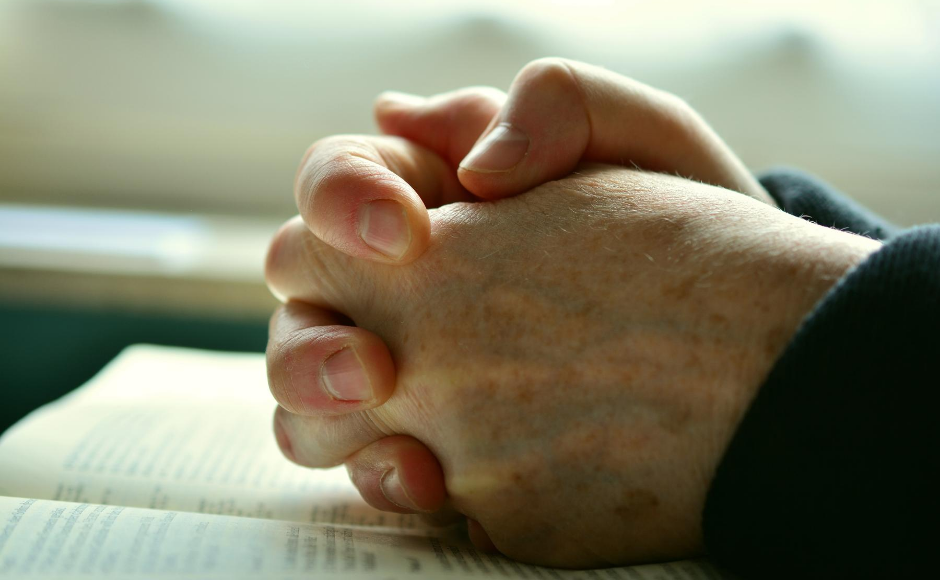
point(544, 312)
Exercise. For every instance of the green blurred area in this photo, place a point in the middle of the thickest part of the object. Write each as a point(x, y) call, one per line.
point(46, 352)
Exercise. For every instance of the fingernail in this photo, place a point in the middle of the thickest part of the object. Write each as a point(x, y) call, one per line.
point(501, 150)
point(395, 492)
point(384, 227)
point(345, 378)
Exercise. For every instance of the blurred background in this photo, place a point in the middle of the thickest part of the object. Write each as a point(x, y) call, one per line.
point(148, 147)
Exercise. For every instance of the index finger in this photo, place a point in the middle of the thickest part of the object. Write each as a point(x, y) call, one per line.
point(318, 364)
point(367, 196)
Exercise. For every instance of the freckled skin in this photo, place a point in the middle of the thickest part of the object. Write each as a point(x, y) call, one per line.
point(578, 357)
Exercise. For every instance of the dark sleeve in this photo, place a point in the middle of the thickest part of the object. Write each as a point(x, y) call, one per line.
point(833, 472)
point(804, 196)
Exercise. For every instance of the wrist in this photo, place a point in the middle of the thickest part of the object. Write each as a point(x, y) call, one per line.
point(803, 262)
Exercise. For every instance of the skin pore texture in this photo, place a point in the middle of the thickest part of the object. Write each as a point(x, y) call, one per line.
point(576, 357)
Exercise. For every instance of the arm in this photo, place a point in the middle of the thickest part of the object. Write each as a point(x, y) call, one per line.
point(832, 472)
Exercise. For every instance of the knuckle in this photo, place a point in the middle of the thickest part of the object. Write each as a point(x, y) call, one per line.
point(274, 256)
point(332, 145)
point(274, 321)
point(673, 102)
point(311, 151)
point(329, 164)
point(311, 181)
point(280, 357)
point(301, 439)
point(293, 361)
point(300, 266)
point(330, 440)
point(336, 172)
point(374, 423)
point(546, 73)
point(677, 117)
point(307, 162)
point(298, 438)
point(282, 434)
point(303, 163)
point(458, 233)
point(479, 97)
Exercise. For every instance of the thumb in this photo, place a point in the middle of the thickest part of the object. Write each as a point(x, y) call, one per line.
point(559, 113)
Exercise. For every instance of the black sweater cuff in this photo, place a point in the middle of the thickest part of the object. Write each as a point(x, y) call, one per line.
point(804, 196)
point(833, 470)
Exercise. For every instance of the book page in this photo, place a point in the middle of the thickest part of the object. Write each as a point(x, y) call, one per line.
point(176, 429)
point(65, 540)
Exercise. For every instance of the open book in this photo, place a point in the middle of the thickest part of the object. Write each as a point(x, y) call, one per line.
point(165, 465)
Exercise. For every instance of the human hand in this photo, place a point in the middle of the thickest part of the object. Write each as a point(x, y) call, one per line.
point(576, 357)
point(363, 196)
point(568, 111)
